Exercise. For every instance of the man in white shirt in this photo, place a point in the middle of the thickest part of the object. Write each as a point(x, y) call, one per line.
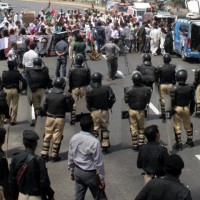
point(155, 38)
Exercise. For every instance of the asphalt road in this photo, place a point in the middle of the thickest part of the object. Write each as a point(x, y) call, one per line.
point(123, 179)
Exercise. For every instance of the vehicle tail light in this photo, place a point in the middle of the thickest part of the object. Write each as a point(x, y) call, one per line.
point(189, 42)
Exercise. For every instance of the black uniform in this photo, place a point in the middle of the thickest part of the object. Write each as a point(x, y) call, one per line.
point(183, 104)
point(151, 158)
point(164, 188)
point(11, 79)
point(166, 79)
point(79, 76)
point(34, 181)
point(79, 79)
point(137, 97)
point(38, 78)
point(56, 104)
point(100, 98)
point(149, 74)
point(4, 173)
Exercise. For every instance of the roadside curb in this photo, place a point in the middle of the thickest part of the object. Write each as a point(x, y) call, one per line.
point(70, 4)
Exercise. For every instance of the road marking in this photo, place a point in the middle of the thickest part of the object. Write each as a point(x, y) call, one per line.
point(154, 109)
point(198, 156)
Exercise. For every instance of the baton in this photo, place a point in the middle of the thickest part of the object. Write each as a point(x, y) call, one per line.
point(102, 190)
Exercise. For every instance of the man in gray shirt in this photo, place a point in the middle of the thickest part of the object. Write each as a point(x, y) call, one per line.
point(85, 162)
point(61, 49)
point(111, 50)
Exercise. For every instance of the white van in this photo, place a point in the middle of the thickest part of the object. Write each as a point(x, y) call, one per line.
point(138, 9)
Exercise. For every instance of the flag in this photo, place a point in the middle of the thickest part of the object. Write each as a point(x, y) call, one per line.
point(92, 6)
point(49, 4)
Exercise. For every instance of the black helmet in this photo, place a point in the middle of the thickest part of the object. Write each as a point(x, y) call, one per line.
point(167, 58)
point(137, 78)
point(97, 77)
point(146, 57)
point(37, 63)
point(79, 59)
point(59, 82)
point(181, 76)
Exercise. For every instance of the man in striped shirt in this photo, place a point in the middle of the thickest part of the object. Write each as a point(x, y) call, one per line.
point(85, 162)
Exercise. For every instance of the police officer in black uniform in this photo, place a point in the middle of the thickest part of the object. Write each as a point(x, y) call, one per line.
point(137, 97)
point(197, 91)
point(32, 181)
point(168, 187)
point(10, 82)
point(100, 98)
point(183, 103)
point(152, 156)
point(166, 80)
point(55, 104)
point(4, 109)
point(79, 79)
point(38, 80)
point(149, 72)
point(4, 172)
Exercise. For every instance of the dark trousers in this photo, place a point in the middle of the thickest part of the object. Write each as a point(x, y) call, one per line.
point(112, 66)
point(61, 63)
point(85, 180)
point(100, 43)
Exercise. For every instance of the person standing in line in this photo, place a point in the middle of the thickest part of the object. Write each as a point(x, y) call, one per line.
point(137, 97)
point(38, 80)
point(79, 79)
point(28, 178)
point(61, 50)
point(99, 99)
point(85, 161)
point(152, 156)
point(4, 172)
point(10, 83)
point(168, 187)
point(166, 80)
point(55, 104)
point(148, 71)
point(183, 104)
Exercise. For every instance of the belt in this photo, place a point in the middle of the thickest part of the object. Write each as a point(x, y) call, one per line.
point(56, 116)
point(8, 88)
point(93, 170)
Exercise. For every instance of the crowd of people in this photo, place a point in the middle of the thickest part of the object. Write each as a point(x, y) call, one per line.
point(71, 31)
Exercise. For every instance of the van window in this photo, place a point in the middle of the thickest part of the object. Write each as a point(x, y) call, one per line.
point(122, 8)
point(183, 29)
point(140, 12)
point(195, 39)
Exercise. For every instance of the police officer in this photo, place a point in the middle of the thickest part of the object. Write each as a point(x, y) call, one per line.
point(4, 172)
point(197, 92)
point(149, 72)
point(183, 103)
point(100, 98)
point(79, 78)
point(166, 80)
point(137, 97)
point(168, 187)
point(4, 109)
point(28, 174)
point(10, 82)
point(38, 80)
point(55, 104)
point(152, 156)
